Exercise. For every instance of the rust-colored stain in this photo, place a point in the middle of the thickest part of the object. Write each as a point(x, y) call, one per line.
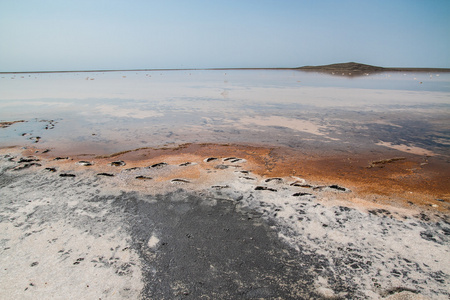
point(405, 179)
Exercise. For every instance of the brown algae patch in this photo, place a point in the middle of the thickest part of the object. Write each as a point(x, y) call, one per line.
point(354, 220)
point(385, 179)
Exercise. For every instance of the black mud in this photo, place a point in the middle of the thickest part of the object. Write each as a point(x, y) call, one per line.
point(214, 252)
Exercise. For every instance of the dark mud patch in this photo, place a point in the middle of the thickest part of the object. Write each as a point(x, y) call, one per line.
point(159, 165)
point(264, 188)
point(105, 174)
point(67, 175)
point(118, 163)
point(214, 252)
point(7, 124)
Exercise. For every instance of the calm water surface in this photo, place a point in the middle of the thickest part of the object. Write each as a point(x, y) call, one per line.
point(115, 111)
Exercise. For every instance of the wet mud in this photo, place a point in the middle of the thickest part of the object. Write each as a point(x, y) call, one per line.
point(154, 227)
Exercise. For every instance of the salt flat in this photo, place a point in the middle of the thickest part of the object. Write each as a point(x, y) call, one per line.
point(224, 184)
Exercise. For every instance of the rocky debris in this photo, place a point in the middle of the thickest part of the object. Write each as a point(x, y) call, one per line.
point(50, 125)
point(117, 163)
point(60, 158)
point(51, 169)
point(27, 159)
point(84, 163)
point(186, 164)
point(26, 166)
point(36, 139)
point(265, 188)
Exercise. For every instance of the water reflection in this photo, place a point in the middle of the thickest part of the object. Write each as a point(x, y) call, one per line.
point(115, 111)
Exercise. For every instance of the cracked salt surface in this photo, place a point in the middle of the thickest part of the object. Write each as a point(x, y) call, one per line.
point(70, 236)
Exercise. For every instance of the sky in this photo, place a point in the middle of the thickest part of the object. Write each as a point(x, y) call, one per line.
point(50, 35)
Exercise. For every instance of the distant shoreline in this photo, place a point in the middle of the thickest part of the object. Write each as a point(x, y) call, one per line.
point(356, 68)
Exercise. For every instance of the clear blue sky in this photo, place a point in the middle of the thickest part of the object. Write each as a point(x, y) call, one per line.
point(97, 34)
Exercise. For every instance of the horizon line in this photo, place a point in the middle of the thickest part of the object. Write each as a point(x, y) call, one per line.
point(405, 69)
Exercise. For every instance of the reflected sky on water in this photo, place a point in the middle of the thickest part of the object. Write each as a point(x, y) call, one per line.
point(115, 111)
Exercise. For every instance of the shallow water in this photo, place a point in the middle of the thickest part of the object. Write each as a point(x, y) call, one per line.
point(154, 222)
point(115, 111)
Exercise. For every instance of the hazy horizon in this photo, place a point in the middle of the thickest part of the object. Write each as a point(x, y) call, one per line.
point(114, 35)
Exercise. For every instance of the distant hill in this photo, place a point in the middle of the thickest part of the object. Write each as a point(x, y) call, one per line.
point(355, 69)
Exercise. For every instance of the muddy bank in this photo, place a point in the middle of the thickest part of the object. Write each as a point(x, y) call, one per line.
point(220, 221)
point(384, 176)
